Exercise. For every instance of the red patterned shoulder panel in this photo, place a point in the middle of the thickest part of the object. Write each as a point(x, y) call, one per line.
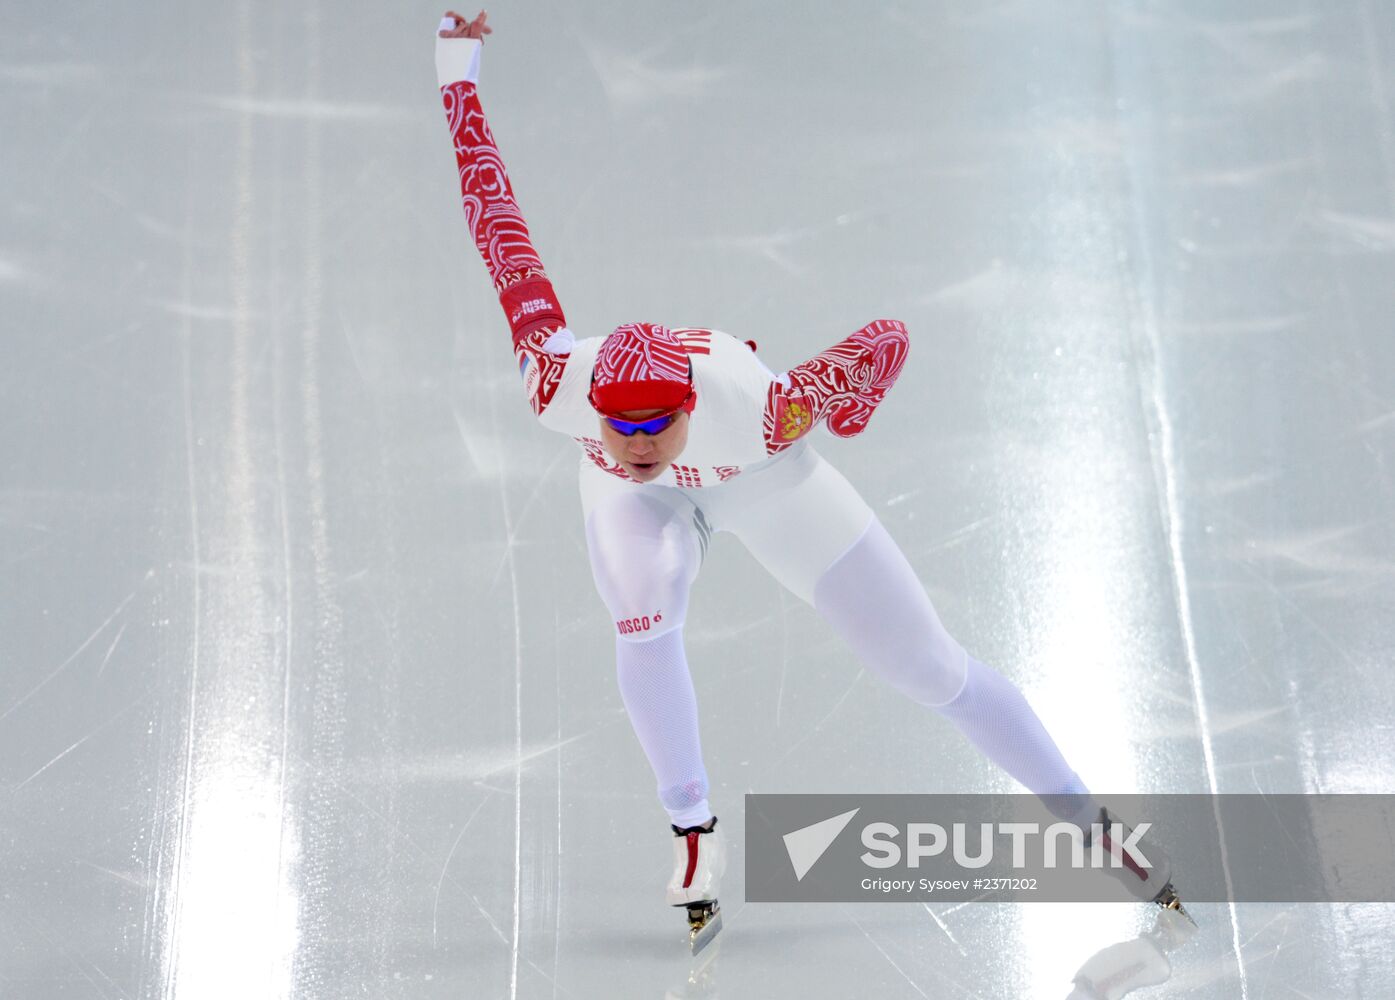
point(841, 385)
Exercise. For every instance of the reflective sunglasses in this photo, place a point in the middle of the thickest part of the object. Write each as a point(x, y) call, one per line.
point(651, 426)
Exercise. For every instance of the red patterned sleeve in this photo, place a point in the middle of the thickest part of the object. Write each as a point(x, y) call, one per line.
point(841, 385)
point(501, 235)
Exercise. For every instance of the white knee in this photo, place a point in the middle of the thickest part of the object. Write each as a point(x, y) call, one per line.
point(688, 798)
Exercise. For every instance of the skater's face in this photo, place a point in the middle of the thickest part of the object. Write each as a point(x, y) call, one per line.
point(646, 456)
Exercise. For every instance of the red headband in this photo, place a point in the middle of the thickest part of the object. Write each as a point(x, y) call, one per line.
point(641, 366)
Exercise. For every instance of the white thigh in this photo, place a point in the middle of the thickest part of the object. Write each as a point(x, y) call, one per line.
point(796, 516)
point(646, 545)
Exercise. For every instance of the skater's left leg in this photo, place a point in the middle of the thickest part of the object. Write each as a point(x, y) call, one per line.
point(809, 527)
point(873, 599)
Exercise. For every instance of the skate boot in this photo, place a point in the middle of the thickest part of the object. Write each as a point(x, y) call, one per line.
point(1152, 883)
point(699, 859)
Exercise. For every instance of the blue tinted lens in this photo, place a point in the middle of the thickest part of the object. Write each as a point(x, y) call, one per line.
point(629, 428)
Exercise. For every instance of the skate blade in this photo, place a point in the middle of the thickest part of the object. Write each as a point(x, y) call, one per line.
point(1169, 900)
point(700, 937)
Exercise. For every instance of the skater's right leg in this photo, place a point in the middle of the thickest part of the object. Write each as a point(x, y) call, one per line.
point(645, 549)
point(646, 546)
point(658, 694)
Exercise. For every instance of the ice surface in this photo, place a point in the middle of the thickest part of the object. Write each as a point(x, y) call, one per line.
point(304, 687)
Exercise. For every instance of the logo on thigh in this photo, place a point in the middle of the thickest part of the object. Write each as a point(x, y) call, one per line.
point(629, 626)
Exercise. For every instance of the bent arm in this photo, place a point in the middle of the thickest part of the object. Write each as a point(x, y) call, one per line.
point(840, 386)
point(540, 338)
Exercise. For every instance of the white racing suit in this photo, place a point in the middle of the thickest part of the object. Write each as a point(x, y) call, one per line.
point(747, 469)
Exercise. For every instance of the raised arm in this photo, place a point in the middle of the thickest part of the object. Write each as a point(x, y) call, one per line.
point(540, 339)
point(841, 385)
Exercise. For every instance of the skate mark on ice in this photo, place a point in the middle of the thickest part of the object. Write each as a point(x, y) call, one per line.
point(968, 902)
point(1239, 327)
point(188, 310)
point(12, 272)
point(1286, 915)
point(1151, 376)
point(1375, 234)
point(523, 511)
point(945, 927)
point(722, 632)
point(1251, 765)
point(1225, 722)
point(1318, 630)
point(784, 659)
point(770, 247)
point(84, 739)
point(558, 742)
point(1321, 552)
point(436, 906)
point(309, 110)
point(476, 766)
point(32, 551)
point(50, 74)
point(958, 535)
point(1309, 68)
point(395, 830)
point(76, 960)
point(112, 648)
point(515, 607)
point(493, 467)
point(1245, 176)
point(814, 729)
point(351, 342)
point(631, 79)
point(75, 653)
point(886, 955)
point(129, 879)
point(178, 848)
point(1377, 423)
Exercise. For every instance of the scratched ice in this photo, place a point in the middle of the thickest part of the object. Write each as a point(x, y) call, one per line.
point(304, 687)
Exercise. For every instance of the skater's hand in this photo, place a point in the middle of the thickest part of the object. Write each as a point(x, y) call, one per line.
point(467, 29)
